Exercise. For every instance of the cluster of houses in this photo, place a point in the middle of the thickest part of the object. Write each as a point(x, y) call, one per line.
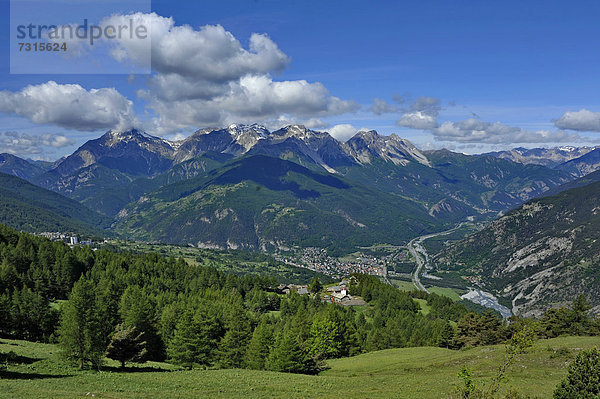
point(317, 259)
point(336, 294)
point(64, 237)
point(288, 288)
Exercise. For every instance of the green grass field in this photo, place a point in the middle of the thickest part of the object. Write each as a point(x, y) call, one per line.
point(425, 308)
point(37, 372)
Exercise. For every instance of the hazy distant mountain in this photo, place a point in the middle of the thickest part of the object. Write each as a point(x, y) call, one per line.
point(580, 182)
point(101, 166)
point(482, 184)
point(306, 147)
point(13, 165)
point(583, 165)
point(550, 157)
point(133, 152)
point(542, 254)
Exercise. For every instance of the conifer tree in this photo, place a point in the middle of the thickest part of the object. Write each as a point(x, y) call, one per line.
point(583, 380)
point(315, 285)
point(288, 355)
point(195, 338)
point(183, 348)
point(259, 347)
point(446, 338)
point(80, 333)
point(127, 345)
point(137, 310)
point(233, 346)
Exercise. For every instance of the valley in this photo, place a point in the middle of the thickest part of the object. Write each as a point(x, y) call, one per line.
point(374, 204)
point(291, 199)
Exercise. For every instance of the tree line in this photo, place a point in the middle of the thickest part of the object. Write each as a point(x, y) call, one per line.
point(138, 307)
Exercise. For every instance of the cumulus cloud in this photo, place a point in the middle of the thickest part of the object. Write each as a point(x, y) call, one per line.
point(476, 131)
point(201, 76)
point(70, 106)
point(23, 144)
point(422, 113)
point(418, 120)
point(342, 132)
point(381, 107)
point(205, 76)
point(209, 53)
point(252, 98)
point(582, 120)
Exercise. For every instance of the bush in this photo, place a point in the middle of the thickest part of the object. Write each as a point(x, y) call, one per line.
point(583, 379)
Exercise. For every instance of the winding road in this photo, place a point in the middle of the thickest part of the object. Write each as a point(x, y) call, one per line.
point(420, 254)
point(422, 260)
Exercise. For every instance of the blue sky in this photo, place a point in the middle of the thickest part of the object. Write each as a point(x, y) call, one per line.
point(494, 74)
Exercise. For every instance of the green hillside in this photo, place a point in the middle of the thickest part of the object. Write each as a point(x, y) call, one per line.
point(477, 183)
point(263, 202)
point(30, 208)
point(107, 190)
point(36, 371)
point(542, 254)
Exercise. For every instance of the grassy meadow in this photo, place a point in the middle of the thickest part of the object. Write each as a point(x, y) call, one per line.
point(36, 371)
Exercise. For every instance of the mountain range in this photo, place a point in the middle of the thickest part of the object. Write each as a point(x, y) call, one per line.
point(244, 186)
point(578, 161)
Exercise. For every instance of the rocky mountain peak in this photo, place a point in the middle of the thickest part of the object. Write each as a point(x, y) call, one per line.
point(368, 136)
point(114, 136)
point(367, 145)
point(299, 132)
point(254, 130)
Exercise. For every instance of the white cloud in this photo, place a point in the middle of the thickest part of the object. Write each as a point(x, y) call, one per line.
point(342, 132)
point(209, 53)
point(250, 99)
point(381, 107)
point(23, 144)
point(420, 113)
point(206, 77)
point(313, 123)
point(70, 106)
point(476, 131)
point(582, 120)
point(417, 120)
point(201, 77)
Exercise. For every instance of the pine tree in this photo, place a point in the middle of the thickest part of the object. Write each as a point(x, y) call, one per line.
point(183, 348)
point(579, 320)
point(583, 380)
point(326, 338)
point(259, 347)
point(233, 346)
point(80, 332)
point(127, 345)
point(195, 339)
point(137, 310)
point(315, 285)
point(446, 338)
point(288, 355)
